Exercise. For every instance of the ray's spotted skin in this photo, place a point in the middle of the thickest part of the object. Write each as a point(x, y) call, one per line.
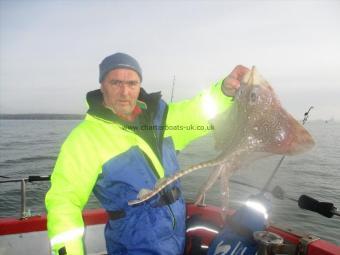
point(254, 127)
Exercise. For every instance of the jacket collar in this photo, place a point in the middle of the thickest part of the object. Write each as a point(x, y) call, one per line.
point(147, 102)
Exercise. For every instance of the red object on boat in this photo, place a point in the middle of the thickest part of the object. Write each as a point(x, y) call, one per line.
point(15, 230)
point(37, 223)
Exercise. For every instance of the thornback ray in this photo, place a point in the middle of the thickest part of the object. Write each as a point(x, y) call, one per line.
point(255, 126)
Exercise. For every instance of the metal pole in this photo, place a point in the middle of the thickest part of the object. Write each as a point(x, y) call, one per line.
point(23, 198)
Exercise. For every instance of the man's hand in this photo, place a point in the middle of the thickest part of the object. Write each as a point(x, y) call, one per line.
point(232, 82)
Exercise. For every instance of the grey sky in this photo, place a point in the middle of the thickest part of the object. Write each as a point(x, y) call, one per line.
point(50, 50)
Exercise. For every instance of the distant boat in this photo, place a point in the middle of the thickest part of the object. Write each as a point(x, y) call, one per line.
point(330, 120)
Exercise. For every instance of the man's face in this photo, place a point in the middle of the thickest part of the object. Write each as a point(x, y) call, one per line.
point(120, 89)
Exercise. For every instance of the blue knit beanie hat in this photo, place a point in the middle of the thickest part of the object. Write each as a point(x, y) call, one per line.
point(118, 60)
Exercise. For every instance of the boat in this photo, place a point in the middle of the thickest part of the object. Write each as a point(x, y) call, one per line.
point(28, 235)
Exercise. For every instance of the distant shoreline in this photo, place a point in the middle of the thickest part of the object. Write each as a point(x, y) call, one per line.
point(41, 116)
point(64, 116)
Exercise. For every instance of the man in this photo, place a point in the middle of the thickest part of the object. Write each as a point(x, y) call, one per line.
point(127, 142)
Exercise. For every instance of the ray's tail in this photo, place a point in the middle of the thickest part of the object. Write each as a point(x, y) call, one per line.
point(147, 194)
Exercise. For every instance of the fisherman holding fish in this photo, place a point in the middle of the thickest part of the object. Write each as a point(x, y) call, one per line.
point(110, 154)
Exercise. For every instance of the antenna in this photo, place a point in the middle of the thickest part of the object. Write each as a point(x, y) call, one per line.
point(173, 88)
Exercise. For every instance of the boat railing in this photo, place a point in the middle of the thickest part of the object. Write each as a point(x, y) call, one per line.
point(24, 213)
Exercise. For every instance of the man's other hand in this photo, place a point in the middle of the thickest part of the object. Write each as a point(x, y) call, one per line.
point(232, 82)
